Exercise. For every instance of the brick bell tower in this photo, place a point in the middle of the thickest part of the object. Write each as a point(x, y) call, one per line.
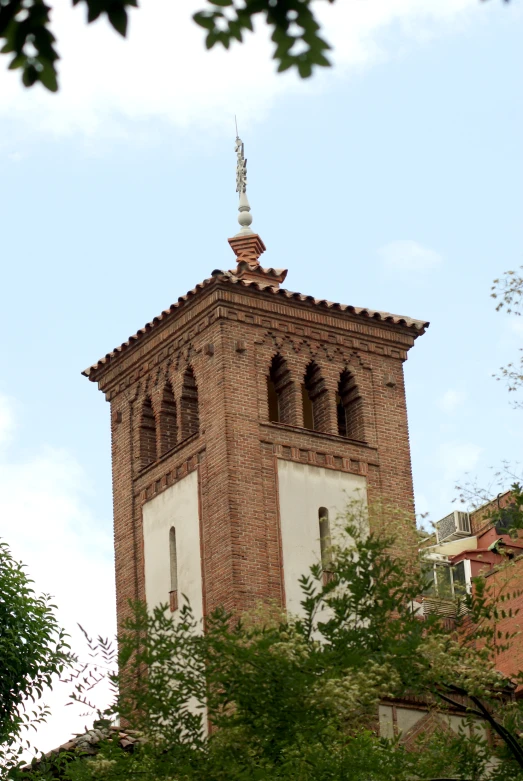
point(243, 417)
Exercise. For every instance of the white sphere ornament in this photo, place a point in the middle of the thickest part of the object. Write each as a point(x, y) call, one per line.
point(245, 219)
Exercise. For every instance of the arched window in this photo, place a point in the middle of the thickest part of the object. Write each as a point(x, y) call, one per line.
point(189, 405)
point(325, 544)
point(349, 408)
point(147, 435)
point(168, 423)
point(173, 569)
point(314, 399)
point(279, 391)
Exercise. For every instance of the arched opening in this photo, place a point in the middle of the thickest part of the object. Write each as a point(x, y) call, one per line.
point(314, 399)
point(173, 569)
point(325, 544)
point(147, 435)
point(349, 407)
point(168, 422)
point(279, 391)
point(189, 405)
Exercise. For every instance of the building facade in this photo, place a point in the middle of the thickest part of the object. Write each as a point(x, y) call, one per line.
point(486, 546)
point(243, 418)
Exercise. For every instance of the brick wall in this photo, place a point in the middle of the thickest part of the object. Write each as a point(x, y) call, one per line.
point(508, 582)
point(505, 586)
point(481, 518)
point(204, 371)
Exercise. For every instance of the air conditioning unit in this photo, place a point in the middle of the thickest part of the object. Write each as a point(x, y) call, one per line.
point(453, 526)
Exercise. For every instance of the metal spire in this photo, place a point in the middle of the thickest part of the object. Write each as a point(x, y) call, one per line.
point(244, 217)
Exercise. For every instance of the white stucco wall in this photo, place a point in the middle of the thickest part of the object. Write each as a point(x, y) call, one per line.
point(178, 507)
point(409, 717)
point(303, 489)
point(386, 721)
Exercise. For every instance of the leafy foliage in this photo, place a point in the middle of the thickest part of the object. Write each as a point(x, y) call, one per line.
point(274, 697)
point(33, 650)
point(296, 33)
point(87, 675)
point(508, 292)
point(25, 28)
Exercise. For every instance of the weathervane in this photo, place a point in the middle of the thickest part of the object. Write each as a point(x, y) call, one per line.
point(244, 217)
point(241, 167)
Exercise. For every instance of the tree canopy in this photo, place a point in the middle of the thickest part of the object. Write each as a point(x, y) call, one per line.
point(25, 27)
point(508, 293)
point(269, 696)
point(32, 651)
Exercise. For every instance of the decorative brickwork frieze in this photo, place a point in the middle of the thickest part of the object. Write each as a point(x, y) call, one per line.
point(319, 458)
point(155, 481)
point(252, 307)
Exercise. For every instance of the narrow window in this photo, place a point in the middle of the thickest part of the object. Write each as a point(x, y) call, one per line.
point(349, 406)
point(443, 580)
point(279, 391)
point(325, 544)
point(342, 416)
point(173, 564)
point(273, 402)
point(429, 575)
point(147, 435)
point(189, 405)
point(168, 423)
point(308, 408)
point(314, 399)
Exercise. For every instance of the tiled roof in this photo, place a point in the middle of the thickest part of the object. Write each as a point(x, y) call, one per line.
point(87, 743)
point(417, 326)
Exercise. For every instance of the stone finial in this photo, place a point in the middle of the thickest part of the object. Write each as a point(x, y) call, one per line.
point(247, 245)
point(245, 216)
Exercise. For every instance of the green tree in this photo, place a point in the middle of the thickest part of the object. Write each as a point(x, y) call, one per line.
point(275, 697)
point(295, 32)
point(33, 650)
point(508, 292)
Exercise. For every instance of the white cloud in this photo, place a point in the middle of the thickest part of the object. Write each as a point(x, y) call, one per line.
point(46, 520)
point(408, 255)
point(451, 400)
point(163, 71)
point(456, 458)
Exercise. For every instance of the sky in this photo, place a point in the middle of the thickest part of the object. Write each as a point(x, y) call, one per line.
point(391, 181)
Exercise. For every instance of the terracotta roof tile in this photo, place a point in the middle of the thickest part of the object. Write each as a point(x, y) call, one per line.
point(418, 326)
point(88, 742)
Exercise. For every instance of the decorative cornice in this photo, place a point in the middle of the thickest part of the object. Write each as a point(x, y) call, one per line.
point(146, 489)
point(358, 465)
point(279, 303)
point(292, 436)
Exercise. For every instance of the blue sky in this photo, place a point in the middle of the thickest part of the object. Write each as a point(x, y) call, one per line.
point(393, 181)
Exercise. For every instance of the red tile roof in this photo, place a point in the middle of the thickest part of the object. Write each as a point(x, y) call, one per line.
point(88, 744)
point(218, 276)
